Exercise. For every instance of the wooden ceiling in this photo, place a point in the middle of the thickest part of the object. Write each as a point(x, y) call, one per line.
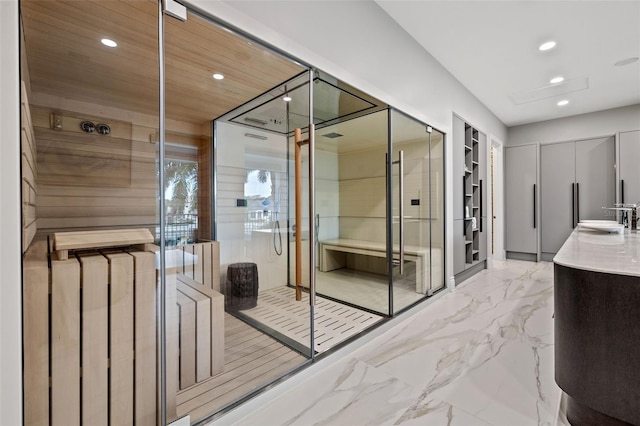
point(66, 59)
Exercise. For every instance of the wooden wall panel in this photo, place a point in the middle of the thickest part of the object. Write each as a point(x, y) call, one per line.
point(29, 173)
point(95, 338)
point(36, 335)
point(65, 342)
point(89, 180)
point(205, 191)
point(145, 337)
point(187, 315)
point(121, 338)
point(202, 329)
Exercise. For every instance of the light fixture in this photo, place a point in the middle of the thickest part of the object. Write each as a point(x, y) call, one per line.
point(103, 129)
point(563, 102)
point(555, 80)
point(88, 126)
point(108, 42)
point(287, 98)
point(547, 45)
point(627, 61)
point(218, 76)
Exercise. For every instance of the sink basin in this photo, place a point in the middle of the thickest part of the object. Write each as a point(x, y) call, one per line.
point(602, 226)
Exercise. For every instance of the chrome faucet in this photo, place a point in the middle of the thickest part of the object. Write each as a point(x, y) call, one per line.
point(629, 214)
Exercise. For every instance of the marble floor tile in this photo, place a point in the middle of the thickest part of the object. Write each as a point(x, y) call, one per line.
point(436, 412)
point(350, 393)
point(480, 355)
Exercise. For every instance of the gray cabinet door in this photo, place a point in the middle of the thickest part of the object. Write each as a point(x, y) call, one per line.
point(595, 177)
point(458, 247)
point(521, 163)
point(557, 180)
point(629, 167)
point(484, 192)
point(458, 168)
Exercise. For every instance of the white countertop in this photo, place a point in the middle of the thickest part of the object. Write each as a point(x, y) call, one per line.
point(602, 252)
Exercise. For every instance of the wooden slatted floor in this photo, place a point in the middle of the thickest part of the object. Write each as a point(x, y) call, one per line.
point(334, 322)
point(252, 359)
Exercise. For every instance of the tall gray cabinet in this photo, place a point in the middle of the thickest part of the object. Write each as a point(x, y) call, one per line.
point(578, 179)
point(629, 167)
point(470, 194)
point(521, 197)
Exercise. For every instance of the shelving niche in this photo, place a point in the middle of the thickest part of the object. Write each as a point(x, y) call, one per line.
point(472, 196)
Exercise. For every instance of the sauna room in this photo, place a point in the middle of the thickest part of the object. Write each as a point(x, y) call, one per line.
point(203, 215)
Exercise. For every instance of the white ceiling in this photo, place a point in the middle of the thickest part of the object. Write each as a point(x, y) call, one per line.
point(491, 47)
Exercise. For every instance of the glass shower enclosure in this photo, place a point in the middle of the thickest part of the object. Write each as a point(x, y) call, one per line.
point(378, 214)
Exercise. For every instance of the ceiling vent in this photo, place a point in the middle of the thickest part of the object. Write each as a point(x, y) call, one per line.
point(550, 91)
point(332, 135)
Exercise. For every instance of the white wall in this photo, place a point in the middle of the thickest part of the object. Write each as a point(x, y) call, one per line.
point(10, 275)
point(359, 43)
point(237, 153)
point(583, 126)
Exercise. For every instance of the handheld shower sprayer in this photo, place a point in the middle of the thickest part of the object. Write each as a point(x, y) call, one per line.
point(277, 235)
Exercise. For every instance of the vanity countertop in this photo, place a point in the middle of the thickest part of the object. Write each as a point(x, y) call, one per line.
point(595, 251)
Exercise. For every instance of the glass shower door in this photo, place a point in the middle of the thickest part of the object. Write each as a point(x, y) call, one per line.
point(417, 210)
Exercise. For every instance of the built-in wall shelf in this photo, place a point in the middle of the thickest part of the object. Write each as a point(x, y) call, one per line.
point(472, 194)
point(470, 237)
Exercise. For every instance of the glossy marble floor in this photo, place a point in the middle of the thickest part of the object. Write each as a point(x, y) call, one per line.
point(481, 355)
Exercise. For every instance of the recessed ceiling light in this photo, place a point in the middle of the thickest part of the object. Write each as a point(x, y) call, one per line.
point(558, 79)
point(563, 102)
point(547, 45)
point(108, 42)
point(626, 61)
point(287, 98)
point(218, 76)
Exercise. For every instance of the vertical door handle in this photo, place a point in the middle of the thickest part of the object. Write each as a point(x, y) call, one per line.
point(534, 206)
point(400, 163)
point(573, 205)
point(464, 207)
point(481, 206)
point(577, 203)
point(401, 209)
point(622, 191)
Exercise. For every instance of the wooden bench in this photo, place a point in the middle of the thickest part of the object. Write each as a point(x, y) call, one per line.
point(333, 255)
point(201, 325)
point(89, 336)
point(90, 326)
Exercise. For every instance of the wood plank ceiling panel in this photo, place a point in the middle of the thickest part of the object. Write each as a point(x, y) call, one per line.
point(66, 59)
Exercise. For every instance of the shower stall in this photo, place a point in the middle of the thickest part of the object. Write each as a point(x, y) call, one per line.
point(377, 229)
